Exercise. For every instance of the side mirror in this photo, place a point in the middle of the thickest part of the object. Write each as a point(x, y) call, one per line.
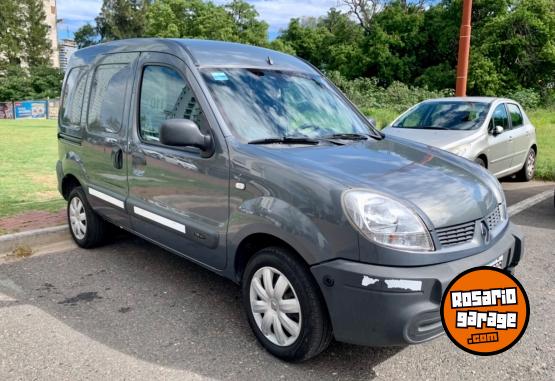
point(184, 133)
point(498, 130)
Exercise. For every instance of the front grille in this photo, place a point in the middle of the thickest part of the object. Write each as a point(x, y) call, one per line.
point(494, 218)
point(456, 235)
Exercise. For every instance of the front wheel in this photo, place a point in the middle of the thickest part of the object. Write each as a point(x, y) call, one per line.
point(529, 169)
point(284, 306)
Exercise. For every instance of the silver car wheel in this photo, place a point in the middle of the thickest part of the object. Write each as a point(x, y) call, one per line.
point(77, 218)
point(275, 306)
point(531, 164)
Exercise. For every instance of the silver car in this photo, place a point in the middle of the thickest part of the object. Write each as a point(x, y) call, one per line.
point(493, 132)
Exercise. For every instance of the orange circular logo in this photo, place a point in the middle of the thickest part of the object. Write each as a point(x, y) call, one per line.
point(485, 311)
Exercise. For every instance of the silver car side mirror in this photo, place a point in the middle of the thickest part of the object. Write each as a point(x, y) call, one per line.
point(498, 130)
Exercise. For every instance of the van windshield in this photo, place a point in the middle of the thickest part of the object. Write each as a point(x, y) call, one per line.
point(269, 104)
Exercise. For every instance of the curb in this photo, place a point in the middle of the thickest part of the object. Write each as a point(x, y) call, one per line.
point(33, 238)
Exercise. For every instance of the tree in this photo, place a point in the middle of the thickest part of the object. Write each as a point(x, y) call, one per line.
point(11, 33)
point(35, 36)
point(247, 27)
point(85, 36)
point(37, 82)
point(120, 19)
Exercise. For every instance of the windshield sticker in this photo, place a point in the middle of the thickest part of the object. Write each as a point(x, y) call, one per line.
point(219, 76)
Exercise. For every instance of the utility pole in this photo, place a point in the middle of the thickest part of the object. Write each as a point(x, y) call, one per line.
point(464, 48)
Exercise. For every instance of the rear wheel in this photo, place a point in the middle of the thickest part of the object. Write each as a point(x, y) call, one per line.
point(86, 227)
point(529, 169)
point(284, 306)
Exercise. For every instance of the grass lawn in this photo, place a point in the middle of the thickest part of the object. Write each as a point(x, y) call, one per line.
point(28, 154)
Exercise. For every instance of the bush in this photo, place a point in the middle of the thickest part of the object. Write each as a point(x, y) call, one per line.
point(367, 94)
point(528, 98)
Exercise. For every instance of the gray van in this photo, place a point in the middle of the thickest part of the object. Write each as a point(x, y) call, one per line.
point(252, 164)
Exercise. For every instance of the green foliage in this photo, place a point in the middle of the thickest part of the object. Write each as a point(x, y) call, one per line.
point(236, 21)
point(119, 19)
point(23, 33)
point(38, 82)
point(513, 44)
point(367, 93)
point(85, 36)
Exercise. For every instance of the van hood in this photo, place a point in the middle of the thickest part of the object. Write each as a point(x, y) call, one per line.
point(444, 139)
point(447, 189)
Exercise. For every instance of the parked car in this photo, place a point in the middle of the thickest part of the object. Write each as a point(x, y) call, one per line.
point(250, 163)
point(493, 132)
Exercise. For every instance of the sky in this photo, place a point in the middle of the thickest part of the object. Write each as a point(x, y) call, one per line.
point(276, 13)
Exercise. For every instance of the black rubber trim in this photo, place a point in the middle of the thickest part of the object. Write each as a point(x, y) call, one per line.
point(69, 138)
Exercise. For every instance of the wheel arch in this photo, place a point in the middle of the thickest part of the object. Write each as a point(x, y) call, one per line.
point(69, 182)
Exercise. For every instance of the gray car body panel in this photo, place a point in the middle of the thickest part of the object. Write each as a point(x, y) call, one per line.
point(505, 153)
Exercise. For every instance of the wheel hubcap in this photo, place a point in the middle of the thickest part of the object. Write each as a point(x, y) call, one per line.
point(275, 306)
point(77, 218)
point(531, 164)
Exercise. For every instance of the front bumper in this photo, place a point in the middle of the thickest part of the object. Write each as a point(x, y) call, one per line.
point(381, 306)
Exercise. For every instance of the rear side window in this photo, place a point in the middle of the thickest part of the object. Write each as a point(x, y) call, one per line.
point(166, 95)
point(516, 115)
point(500, 117)
point(107, 101)
point(72, 98)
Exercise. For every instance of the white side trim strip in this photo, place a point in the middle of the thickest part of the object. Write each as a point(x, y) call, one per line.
point(107, 198)
point(161, 220)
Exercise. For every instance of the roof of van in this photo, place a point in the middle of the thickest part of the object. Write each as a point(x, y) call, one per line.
point(202, 52)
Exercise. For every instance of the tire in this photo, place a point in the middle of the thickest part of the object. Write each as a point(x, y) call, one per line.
point(529, 169)
point(480, 162)
point(90, 231)
point(314, 327)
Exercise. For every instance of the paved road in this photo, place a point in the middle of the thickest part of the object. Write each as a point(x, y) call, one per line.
point(132, 311)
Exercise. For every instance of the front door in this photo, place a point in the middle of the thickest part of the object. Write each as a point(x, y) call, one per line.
point(105, 140)
point(178, 197)
point(500, 151)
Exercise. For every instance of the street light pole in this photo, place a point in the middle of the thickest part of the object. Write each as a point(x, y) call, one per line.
point(464, 48)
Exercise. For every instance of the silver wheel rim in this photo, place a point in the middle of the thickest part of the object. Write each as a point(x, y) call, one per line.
point(77, 218)
point(531, 164)
point(275, 306)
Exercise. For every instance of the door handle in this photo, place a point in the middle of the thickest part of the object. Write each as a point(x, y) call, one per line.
point(117, 158)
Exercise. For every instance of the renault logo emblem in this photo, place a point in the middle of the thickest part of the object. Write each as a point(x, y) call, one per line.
point(486, 236)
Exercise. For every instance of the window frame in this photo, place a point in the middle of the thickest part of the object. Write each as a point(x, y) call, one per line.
point(492, 119)
point(510, 117)
point(141, 72)
point(104, 132)
point(70, 126)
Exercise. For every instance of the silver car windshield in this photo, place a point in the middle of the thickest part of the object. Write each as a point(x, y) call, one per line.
point(445, 116)
point(270, 104)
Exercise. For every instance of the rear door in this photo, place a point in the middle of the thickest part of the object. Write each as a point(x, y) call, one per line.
point(521, 134)
point(105, 140)
point(178, 197)
point(500, 151)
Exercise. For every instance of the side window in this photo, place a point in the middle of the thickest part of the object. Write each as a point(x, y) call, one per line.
point(166, 95)
point(107, 101)
point(500, 117)
point(72, 98)
point(516, 115)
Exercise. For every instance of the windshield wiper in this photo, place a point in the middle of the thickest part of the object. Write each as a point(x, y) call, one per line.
point(347, 136)
point(285, 140)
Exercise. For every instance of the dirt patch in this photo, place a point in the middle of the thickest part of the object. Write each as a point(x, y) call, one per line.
point(82, 297)
point(31, 221)
point(22, 251)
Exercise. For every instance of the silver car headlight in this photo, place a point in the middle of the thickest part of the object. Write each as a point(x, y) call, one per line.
point(386, 221)
point(461, 150)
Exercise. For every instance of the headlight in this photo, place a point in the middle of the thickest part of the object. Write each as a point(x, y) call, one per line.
point(386, 221)
point(461, 150)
